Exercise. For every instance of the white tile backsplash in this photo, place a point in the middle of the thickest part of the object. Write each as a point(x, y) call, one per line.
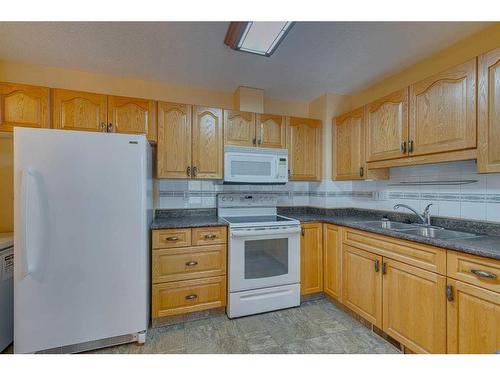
point(479, 200)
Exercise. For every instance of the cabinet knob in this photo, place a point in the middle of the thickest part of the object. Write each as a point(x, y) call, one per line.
point(104, 127)
point(110, 128)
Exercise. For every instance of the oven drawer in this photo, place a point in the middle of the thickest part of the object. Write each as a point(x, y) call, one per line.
point(183, 297)
point(209, 236)
point(475, 270)
point(168, 238)
point(188, 263)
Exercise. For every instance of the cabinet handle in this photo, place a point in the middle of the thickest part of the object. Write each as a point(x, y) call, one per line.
point(173, 238)
point(104, 127)
point(302, 231)
point(110, 128)
point(191, 263)
point(377, 265)
point(361, 171)
point(195, 171)
point(403, 147)
point(410, 146)
point(254, 141)
point(191, 297)
point(210, 236)
point(485, 274)
point(449, 293)
point(384, 268)
point(188, 171)
point(289, 173)
point(259, 141)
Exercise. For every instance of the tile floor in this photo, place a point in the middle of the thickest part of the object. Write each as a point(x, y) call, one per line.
point(315, 327)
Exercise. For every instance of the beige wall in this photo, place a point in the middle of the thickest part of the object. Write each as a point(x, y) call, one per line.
point(6, 184)
point(462, 51)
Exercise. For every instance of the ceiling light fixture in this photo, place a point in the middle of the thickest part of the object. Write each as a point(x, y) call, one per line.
point(260, 38)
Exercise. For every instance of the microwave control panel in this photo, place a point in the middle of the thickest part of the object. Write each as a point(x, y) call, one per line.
point(282, 167)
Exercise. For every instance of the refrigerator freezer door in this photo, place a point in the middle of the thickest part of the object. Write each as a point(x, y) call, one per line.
point(81, 240)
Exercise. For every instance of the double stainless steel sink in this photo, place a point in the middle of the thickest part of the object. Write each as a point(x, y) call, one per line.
point(419, 230)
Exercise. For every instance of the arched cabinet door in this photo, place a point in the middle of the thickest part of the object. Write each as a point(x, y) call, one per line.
point(23, 105)
point(132, 116)
point(239, 128)
point(207, 143)
point(271, 131)
point(304, 149)
point(77, 110)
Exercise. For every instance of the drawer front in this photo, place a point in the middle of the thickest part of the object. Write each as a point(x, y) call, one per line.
point(188, 263)
point(426, 257)
point(168, 238)
point(183, 297)
point(209, 235)
point(475, 270)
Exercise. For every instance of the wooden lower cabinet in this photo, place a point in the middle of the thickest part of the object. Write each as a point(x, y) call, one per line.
point(362, 283)
point(188, 296)
point(332, 261)
point(473, 319)
point(414, 307)
point(311, 259)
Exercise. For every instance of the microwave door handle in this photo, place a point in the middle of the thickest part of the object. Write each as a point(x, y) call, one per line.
point(246, 233)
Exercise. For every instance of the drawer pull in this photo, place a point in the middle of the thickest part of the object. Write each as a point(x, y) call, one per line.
point(210, 236)
point(485, 274)
point(191, 297)
point(191, 263)
point(173, 238)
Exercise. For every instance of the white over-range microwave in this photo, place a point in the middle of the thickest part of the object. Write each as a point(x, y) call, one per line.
point(252, 165)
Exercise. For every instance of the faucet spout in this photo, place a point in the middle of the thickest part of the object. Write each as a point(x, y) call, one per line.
point(422, 218)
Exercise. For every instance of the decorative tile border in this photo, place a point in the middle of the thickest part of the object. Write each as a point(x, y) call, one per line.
point(450, 197)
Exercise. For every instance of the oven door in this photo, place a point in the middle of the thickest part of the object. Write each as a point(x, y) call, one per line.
point(250, 168)
point(263, 257)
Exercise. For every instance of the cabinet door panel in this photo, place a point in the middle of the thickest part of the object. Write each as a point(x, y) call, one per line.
point(349, 146)
point(362, 283)
point(311, 259)
point(271, 131)
point(174, 140)
point(207, 143)
point(443, 111)
point(239, 128)
point(414, 307)
point(23, 105)
point(75, 110)
point(488, 158)
point(304, 149)
point(387, 127)
point(131, 115)
point(332, 253)
point(473, 320)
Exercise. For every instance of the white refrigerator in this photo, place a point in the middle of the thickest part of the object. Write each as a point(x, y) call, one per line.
point(82, 211)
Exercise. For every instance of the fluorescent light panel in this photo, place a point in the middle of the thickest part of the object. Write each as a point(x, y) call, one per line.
point(262, 38)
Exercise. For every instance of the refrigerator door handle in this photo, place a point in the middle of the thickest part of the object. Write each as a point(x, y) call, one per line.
point(26, 175)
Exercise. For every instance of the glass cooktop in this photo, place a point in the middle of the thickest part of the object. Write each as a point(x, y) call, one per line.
point(256, 219)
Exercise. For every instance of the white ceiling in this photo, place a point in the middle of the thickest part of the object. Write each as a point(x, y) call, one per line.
point(314, 58)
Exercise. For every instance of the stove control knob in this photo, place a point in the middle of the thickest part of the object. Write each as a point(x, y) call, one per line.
point(223, 199)
point(231, 199)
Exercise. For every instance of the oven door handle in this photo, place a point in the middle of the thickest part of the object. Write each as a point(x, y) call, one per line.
point(253, 233)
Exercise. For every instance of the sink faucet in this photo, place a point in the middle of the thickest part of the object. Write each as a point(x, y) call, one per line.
point(425, 217)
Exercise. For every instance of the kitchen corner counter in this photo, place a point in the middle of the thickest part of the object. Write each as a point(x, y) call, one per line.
point(186, 218)
point(484, 245)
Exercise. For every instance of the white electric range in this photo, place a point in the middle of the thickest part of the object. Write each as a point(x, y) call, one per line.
point(264, 254)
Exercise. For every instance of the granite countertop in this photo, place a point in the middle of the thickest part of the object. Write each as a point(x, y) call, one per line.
point(487, 244)
point(482, 245)
point(191, 218)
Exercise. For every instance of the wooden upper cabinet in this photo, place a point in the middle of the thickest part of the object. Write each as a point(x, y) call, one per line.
point(443, 111)
point(332, 261)
point(271, 131)
point(362, 283)
point(311, 259)
point(23, 105)
point(75, 110)
point(132, 115)
point(387, 127)
point(304, 149)
point(239, 128)
point(473, 319)
point(414, 307)
point(207, 145)
point(488, 158)
point(349, 146)
point(174, 140)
